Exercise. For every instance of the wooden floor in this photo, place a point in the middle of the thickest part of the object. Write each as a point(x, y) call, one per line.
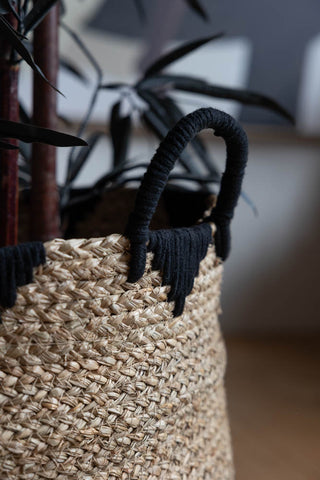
point(273, 389)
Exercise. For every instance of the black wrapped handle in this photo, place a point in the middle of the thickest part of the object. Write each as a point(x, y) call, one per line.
point(156, 177)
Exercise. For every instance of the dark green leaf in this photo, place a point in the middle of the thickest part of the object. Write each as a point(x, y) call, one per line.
point(23, 115)
point(25, 7)
point(75, 37)
point(12, 6)
point(24, 180)
point(120, 130)
point(4, 7)
point(175, 114)
point(62, 8)
point(157, 126)
point(158, 121)
point(70, 67)
point(173, 176)
point(7, 146)
point(116, 174)
point(25, 148)
point(37, 13)
point(113, 86)
point(24, 168)
point(7, 32)
point(177, 53)
point(244, 96)
point(7, 6)
point(194, 85)
point(166, 81)
point(180, 176)
point(94, 96)
point(101, 185)
point(81, 158)
point(32, 133)
point(250, 203)
point(9, 27)
point(141, 10)
point(165, 111)
point(25, 151)
point(198, 8)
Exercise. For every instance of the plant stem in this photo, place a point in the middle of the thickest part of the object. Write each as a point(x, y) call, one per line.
point(45, 218)
point(9, 110)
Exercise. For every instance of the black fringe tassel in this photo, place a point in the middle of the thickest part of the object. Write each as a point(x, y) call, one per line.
point(177, 254)
point(16, 269)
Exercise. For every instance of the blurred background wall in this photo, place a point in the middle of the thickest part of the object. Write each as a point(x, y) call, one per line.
point(271, 279)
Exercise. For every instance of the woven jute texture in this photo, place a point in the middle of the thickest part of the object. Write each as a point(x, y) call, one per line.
point(99, 381)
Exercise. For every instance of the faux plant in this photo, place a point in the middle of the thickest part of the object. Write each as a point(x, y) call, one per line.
point(20, 18)
point(154, 89)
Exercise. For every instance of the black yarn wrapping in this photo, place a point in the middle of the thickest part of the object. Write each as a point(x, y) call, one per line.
point(177, 254)
point(16, 269)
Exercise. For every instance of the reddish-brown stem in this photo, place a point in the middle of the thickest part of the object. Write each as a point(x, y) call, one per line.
point(45, 219)
point(9, 110)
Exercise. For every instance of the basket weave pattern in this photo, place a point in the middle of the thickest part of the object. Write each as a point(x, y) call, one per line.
point(99, 381)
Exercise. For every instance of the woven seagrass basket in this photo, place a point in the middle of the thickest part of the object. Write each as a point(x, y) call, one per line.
point(111, 356)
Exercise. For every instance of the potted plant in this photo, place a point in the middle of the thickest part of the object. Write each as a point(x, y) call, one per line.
point(111, 357)
point(18, 20)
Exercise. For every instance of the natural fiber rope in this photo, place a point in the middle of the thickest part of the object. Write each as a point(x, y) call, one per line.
point(98, 381)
